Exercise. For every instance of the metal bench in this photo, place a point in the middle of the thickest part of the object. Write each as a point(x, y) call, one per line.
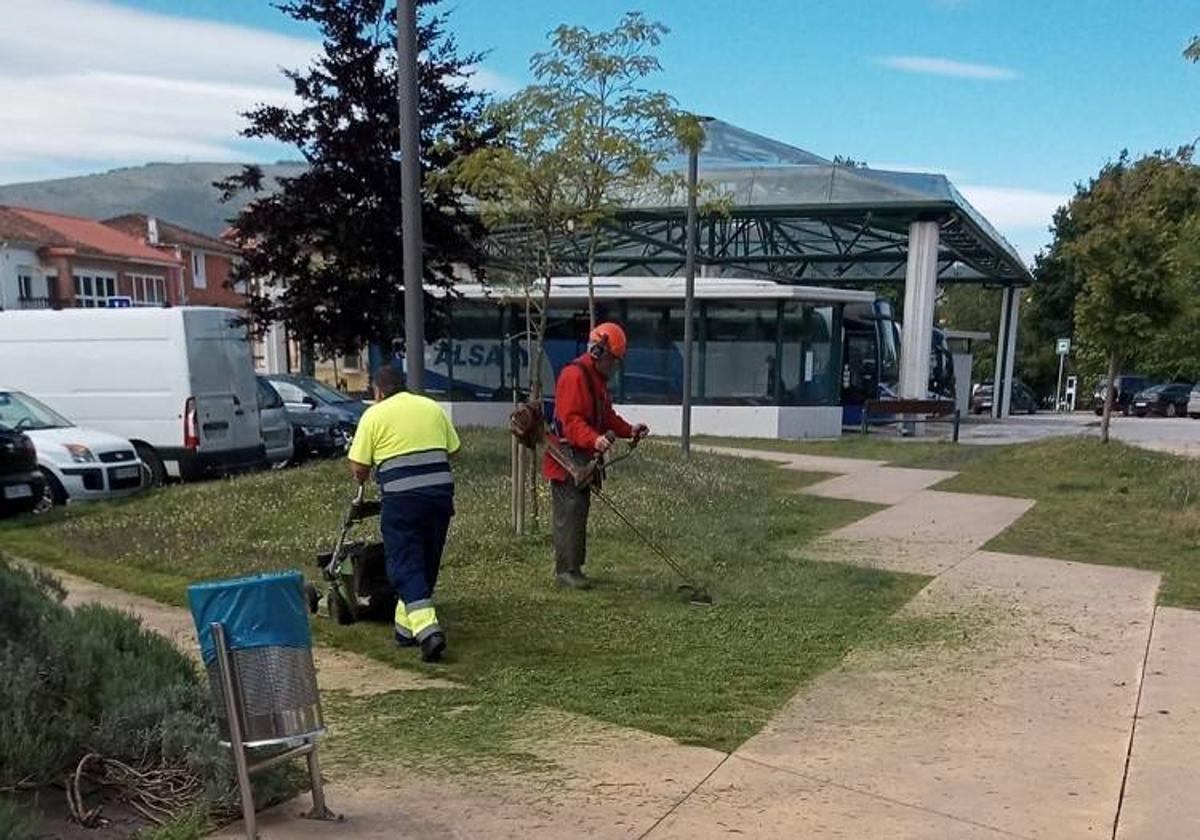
point(887, 412)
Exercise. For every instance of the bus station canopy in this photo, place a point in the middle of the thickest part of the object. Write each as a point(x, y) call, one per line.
point(791, 216)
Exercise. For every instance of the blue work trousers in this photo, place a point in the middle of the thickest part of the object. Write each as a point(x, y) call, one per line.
point(414, 526)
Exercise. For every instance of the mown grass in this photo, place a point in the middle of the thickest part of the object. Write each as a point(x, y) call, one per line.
point(629, 651)
point(1112, 504)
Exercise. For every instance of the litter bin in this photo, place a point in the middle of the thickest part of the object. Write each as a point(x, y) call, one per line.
point(265, 623)
point(257, 648)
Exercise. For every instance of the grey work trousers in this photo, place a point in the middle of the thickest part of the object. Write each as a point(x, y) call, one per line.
point(571, 505)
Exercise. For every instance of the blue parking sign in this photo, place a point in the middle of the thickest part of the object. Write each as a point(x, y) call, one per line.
point(120, 302)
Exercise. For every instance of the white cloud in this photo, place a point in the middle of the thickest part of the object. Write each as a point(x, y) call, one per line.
point(1008, 207)
point(87, 84)
point(489, 81)
point(931, 65)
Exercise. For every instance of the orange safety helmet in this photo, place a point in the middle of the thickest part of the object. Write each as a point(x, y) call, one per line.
point(607, 337)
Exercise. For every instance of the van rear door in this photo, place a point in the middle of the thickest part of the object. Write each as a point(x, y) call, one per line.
point(221, 372)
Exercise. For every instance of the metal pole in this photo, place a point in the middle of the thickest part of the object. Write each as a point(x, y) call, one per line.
point(410, 195)
point(1058, 388)
point(233, 712)
point(689, 296)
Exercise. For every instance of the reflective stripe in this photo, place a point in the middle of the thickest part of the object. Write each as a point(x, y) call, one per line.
point(420, 605)
point(428, 631)
point(416, 459)
point(403, 632)
point(416, 482)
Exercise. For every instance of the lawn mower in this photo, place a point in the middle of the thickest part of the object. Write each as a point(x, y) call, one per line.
point(355, 572)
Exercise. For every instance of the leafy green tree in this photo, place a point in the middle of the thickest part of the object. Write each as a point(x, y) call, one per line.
point(1130, 257)
point(613, 131)
point(323, 253)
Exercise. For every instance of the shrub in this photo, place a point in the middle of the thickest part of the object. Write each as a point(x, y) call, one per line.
point(93, 681)
point(16, 823)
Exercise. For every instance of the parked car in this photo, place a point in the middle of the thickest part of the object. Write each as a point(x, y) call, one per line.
point(275, 425)
point(317, 433)
point(1167, 400)
point(178, 383)
point(1023, 399)
point(22, 486)
point(303, 393)
point(1127, 386)
point(1193, 406)
point(77, 463)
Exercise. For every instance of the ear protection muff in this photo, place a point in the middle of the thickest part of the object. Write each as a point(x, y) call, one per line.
point(598, 348)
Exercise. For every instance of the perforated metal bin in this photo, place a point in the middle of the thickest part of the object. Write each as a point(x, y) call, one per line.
point(265, 624)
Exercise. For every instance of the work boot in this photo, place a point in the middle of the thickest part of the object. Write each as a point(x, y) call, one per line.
point(573, 580)
point(432, 647)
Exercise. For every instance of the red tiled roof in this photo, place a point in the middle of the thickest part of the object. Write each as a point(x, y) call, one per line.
point(169, 233)
point(85, 235)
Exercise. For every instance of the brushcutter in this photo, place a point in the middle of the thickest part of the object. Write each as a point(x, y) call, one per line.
point(591, 476)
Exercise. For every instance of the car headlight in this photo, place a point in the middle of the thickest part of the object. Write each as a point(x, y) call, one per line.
point(80, 454)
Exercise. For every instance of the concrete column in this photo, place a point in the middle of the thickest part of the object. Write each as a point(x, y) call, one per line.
point(920, 291)
point(275, 349)
point(1006, 351)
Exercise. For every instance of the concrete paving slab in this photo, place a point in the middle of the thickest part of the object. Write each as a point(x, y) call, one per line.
point(336, 670)
point(796, 461)
point(608, 782)
point(1160, 793)
point(748, 799)
point(927, 533)
point(882, 485)
point(1023, 728)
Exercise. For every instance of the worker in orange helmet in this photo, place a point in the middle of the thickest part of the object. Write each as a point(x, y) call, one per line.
point(586, 426)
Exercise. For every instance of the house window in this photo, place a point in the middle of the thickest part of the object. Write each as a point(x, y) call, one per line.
point(93, 289)
point(148, 289)
point(24, 284)
point(199, 279)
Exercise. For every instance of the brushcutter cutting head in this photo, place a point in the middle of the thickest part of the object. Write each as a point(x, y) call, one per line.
point(695, 595)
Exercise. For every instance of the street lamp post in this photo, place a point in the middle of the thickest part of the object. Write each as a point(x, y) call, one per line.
point(410, 195)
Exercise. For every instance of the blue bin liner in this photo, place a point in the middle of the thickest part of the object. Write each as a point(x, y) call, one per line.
point(266, 610)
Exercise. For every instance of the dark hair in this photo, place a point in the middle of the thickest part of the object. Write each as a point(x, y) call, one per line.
point(388, 380)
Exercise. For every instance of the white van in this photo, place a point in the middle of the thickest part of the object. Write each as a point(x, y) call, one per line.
point(177, 383)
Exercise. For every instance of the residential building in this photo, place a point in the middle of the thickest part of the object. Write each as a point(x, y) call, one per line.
point(208, 262)
point(52, 261)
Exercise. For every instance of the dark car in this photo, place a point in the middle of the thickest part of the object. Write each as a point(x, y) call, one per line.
point(317, 433)
point(1167, 400)
point(1023, 399)
point(1127, 386)
point(304, 392)
point(22, 485)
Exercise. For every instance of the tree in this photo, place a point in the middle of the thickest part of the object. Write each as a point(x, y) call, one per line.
point(613, 132)
point(1192, 52)
point(323, 254)
point(1129, 249)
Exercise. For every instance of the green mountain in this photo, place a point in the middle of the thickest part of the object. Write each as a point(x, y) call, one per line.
point(182, 193)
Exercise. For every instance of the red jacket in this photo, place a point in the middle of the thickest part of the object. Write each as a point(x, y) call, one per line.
point(579, 396)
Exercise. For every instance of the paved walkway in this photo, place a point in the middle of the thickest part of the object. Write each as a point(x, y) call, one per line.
point(1058, 704)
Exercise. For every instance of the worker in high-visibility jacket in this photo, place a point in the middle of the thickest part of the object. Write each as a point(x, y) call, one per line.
point(585, 423)
point(408, 440)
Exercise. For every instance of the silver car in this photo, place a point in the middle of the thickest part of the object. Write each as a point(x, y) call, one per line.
point(1193, 408)
point(276, 427)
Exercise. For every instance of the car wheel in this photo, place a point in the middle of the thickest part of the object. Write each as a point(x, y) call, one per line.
point(154, 474)
point(53, 494)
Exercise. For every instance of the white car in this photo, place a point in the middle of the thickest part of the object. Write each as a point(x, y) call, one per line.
point(1193, 406)
point(78, 464)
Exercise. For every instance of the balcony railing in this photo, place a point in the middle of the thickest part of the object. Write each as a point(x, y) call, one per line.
point(38, 303)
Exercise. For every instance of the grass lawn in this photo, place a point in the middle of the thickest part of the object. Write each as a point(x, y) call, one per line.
point(1113, 504)
point(628, 652)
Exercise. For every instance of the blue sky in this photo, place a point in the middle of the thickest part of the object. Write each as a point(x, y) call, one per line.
point(1014, 100)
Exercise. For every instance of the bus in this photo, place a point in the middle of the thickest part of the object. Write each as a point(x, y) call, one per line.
point(871, 359)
